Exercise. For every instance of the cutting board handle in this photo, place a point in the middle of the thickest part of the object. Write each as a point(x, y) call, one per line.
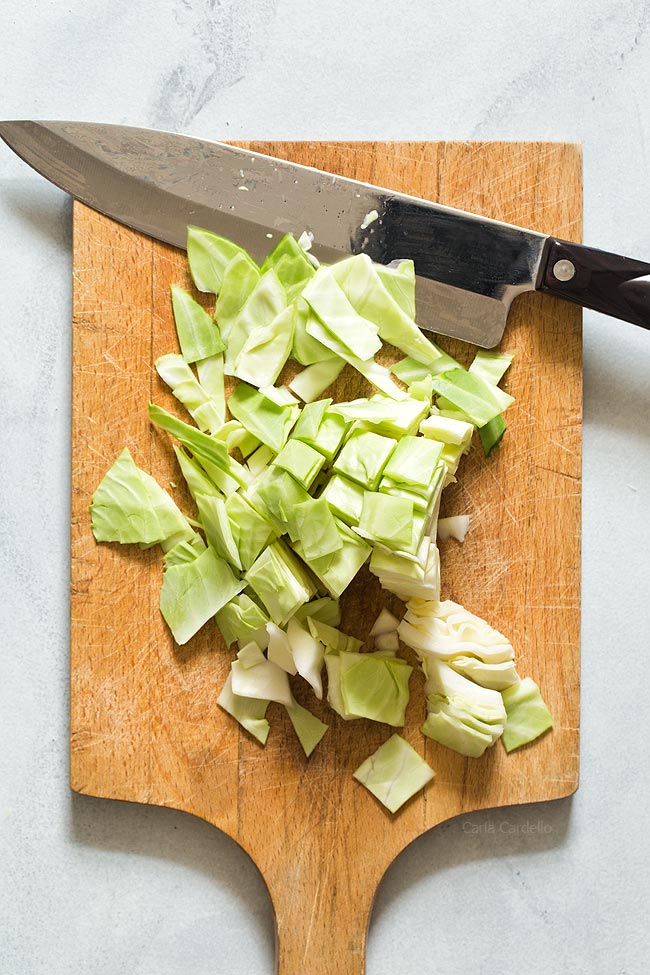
point(614, 285)
point(321, 923)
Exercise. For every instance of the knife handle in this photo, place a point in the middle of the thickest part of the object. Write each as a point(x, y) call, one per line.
point(615, 285)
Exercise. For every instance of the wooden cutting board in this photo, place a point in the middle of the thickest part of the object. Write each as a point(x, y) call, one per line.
point(145, 725)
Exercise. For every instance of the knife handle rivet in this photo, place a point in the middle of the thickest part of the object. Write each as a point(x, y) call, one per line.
point(564, 270)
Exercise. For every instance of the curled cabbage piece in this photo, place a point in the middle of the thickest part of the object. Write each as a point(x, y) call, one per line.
point(445, 629)
point(460, 714)
point(250, 712)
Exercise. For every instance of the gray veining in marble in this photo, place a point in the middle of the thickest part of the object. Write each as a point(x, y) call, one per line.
point(108, 888)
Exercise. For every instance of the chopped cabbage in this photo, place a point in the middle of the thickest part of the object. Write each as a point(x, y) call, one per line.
point(192, 592)
point(130, 506)
point(527, 714)
point(394, 773)
point(250, 712)
point(323, 487)
point(309, 729)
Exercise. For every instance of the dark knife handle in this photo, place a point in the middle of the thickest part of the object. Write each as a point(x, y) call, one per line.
point(609, 283)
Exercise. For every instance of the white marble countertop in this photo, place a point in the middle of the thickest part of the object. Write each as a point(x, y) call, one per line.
point(108, 888)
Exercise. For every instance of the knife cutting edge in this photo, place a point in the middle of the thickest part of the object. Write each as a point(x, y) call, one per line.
point(469, 268)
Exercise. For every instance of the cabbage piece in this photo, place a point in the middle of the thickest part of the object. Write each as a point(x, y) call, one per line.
point(377, 375)
point(251, 531)
point(375, 687)
point(195, 477)
point(208, 255)
point(332, 637)
point(290, 275)
point(174, 370)
point(314, 380)
point(406, 577)
point(478, 399)
point(425, 500)
point(394, 773)
point(387, 642)
point(387, 519)
point(337, 570)
point(490, 366)
point(329, 435)
point(411, 371)
point(214, 519)
point(491, 434)
point(248, 711)
point(301, 461)
point(240, 279)
point(371, 370)
point(259, 460)
point(316, 529)
point(384, 562)
point(281, 396)
point(385, 415)
point(308, 727)
point(417, 498)
point(497, 676)
point(290, 263)
point(462, 715)
point(237, 437)
point(416, 549)
point(210, 373)
point(414, 461)
point(344, 497)
point(344, 327)
point(204, 447)
point(308, 655)
point(324, 608)
point(453, 728)
point(198, 335)
point(454, 527)
point(279, 649)
point(184, 551)
point(270, 422)
point(363, 458)
point(358, 279)
point(310, 419)
point(226, 484)
point(306, 349)
point(129, 506)
point(242, 621)
point(334, 693)
point(280, 582)
point(255, 676)
point(527, 715)
point(398, 278)
point(422, 390)
point(194, 591)
point(447, 430)
point(444, 629)
point(385, 623)
point(265, 302)
point(266, 350)
point(451, 456)
point(447, 409)
point(276, 495)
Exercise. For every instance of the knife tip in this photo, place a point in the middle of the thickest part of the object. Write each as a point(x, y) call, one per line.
point(10, 128)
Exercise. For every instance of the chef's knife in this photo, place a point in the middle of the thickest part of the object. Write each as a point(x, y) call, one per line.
point(469, 268)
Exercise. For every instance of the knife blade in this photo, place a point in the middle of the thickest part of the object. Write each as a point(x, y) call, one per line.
point(469, 268)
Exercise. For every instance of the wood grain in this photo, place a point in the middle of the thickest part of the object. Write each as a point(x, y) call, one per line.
point(144, 721)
